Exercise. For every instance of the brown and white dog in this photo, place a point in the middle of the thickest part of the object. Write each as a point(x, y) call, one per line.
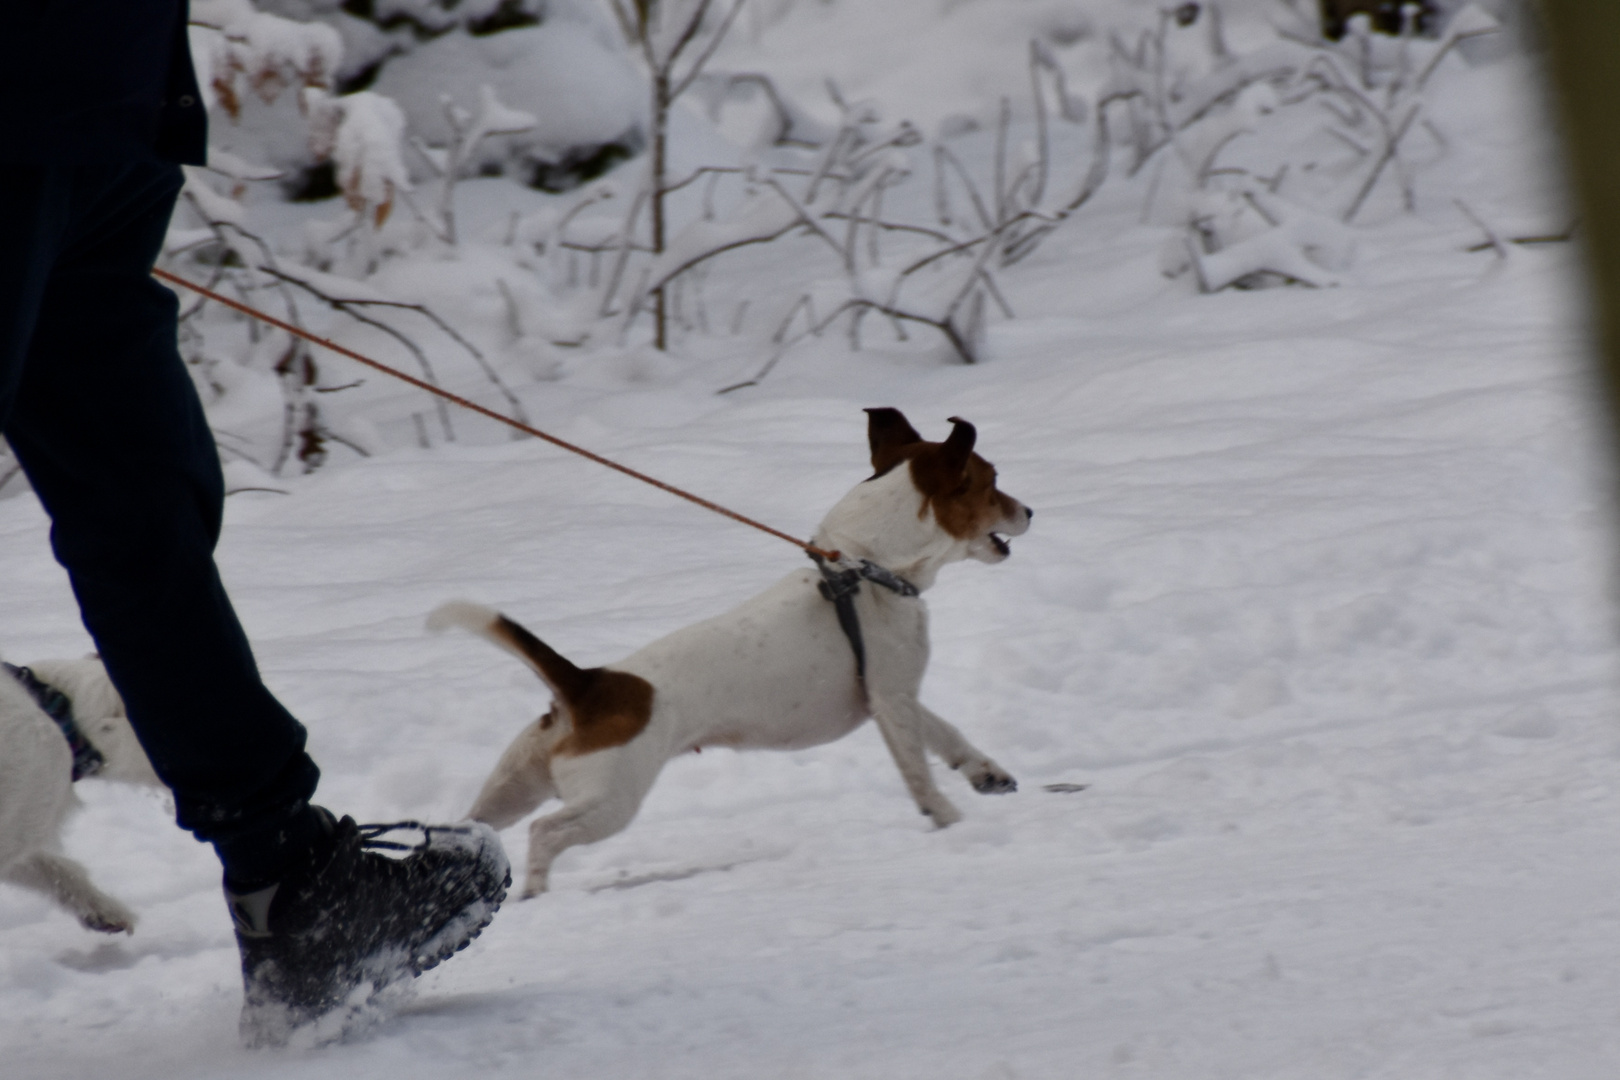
point(36, 784)
point(776, 672)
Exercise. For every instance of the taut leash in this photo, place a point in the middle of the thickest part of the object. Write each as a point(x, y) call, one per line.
point(235, 305)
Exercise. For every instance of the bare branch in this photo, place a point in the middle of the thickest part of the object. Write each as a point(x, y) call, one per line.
point(1391, 148)
point(824, 167)
point(433, 317)
point(943, 153)
point(683, 41)
point(1348, 141)
point(994, 290)
point(703, 257)
point(617, 277)
point(1491, 239)
point(715, 39)
point(895, 226)
point(971, 284)
point(347, 308)
point(1003, 121)
point(626, 23)
point(1043, 141)
point(806, 216)
point(1531, 241)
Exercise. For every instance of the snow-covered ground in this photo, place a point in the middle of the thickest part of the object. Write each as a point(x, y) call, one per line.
point(1316, 604)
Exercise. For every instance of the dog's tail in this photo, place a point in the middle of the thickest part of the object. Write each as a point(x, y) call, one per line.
point(568, 682)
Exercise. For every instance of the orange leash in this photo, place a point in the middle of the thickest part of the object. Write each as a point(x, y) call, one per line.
point(164, 275)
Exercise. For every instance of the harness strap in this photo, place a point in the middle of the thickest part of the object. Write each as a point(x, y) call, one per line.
point(840, 586)
point(87, 760)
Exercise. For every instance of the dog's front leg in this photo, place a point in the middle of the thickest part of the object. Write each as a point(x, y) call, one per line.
point(943, 739)
point(899, 717)
point(66, 882)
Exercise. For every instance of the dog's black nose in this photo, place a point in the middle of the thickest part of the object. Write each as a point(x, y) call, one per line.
point(1029, 515)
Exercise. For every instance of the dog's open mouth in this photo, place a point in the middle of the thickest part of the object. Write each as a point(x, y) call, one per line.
point(1000, 544)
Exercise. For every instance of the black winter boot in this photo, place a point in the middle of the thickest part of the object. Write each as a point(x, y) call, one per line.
point(349, 922)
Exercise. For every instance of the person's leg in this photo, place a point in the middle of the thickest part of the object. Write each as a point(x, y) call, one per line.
point(106, 423)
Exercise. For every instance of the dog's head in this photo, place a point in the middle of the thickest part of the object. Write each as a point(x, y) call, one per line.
point(926, 504)
point(956, 485)
point(99, 711)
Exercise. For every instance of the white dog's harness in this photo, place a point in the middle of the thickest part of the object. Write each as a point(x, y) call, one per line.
point(840, 586)
point(87, 760)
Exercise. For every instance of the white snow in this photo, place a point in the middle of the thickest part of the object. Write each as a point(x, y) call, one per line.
point(581, 89)
point(1317, 604)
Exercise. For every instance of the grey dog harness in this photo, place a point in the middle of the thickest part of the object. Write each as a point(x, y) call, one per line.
point(840, 586)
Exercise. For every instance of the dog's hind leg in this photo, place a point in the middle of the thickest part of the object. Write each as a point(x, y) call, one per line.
point(602, 793)
point(953, 749)
point(66, 882)
point(569, 827)
point(520, 781)
point(902, 723)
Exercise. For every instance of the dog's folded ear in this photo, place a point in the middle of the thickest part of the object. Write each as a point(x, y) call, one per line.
point(889, 433)
point(959, 447)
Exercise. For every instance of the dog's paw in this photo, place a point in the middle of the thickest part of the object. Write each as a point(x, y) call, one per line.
point(113, 919)
point(988, 779)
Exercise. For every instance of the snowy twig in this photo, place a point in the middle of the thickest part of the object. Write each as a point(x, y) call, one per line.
point(1492, 241)
point(344, 303)
point(1392, 142)
point(943, 156)
point(347, 308)
point(1530, 241)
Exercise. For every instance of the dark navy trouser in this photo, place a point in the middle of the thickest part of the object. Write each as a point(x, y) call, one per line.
point(103, 416)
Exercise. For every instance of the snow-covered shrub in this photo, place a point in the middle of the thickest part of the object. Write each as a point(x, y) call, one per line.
point(262, 384)
point(850, 260)
point(468, 130)
point(559, 60)
point(770, 208)
point(1262, 154)
point(819, 188)
point(243, 51)
point(362, 135)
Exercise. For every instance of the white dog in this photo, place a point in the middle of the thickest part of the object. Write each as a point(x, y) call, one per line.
point(36, 784)
point(782, 671)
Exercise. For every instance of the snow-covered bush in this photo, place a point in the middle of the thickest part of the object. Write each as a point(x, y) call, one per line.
point(1261, 156)
point(559, 60)
point(770, 208)
point(239, 50)
point(362, 135)
point(468, 130)
point(1265, 155)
